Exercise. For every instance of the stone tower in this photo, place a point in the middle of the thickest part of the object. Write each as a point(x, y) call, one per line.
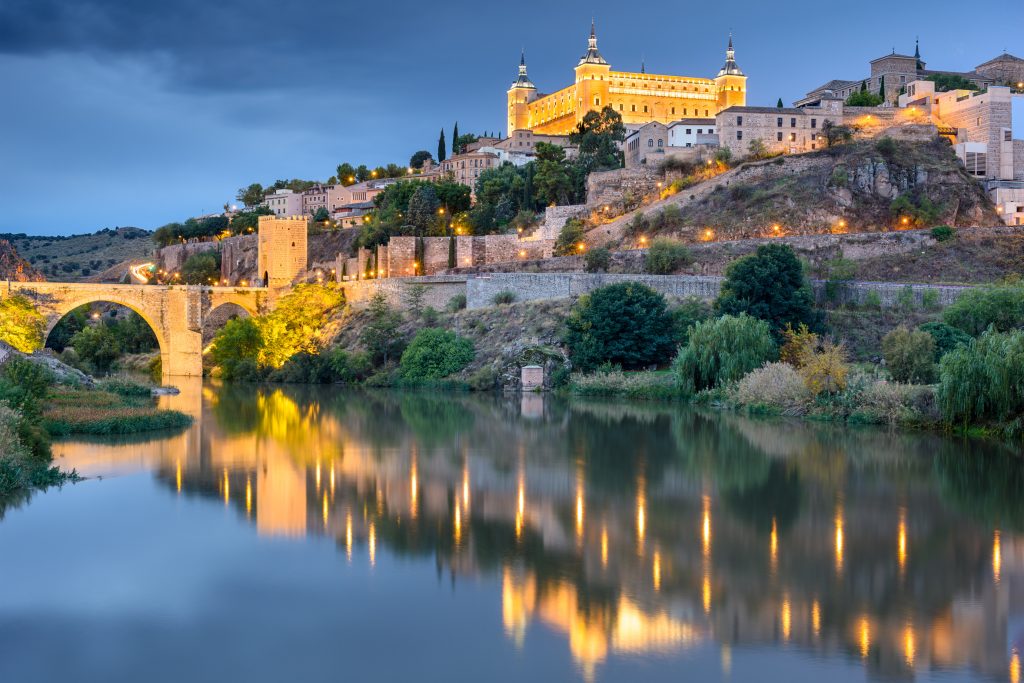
point(731, 82)
point(592, 80)
point(520, 95)
point(281, 256)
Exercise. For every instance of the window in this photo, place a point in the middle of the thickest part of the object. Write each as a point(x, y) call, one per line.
point(792, 122)
point(779, 121)
point(620, 106)
point(779, 137)
point(739, 120)
point(673, 111)
point(699, 131)
point(632, 107)
point(597, 101)
point(814, 136)
point(689, 131)
point(739, 135)
point(792, 137)
point(650, 142)
point(645, 108)
point(661, 143)
point(710, 131)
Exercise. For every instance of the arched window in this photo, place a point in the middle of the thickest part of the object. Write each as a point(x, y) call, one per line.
point(650, 142)
point(661, 143)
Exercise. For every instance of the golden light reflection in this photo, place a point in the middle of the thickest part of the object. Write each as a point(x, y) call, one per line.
point(706, 593)
point(1015, 667)
point(333, 477)
point(839, 538)
point(325, 509)
point(348, 535)
point(786, 618)
point(579, 501)
point(864, 636)
point(656, 571)
point(248, 496)
point(641, 513)
point(901, 541)
point(457, 525)
point(520, 506)
point(227, 487)
point(604, 546)
point(414, 487)
point(318, 475)
point(773, 548)
point(177, 476)
point(726, 659)
point(816, 618)
point(909, 645)
point(706, 525)
point(997, 557)
point(373, 545)
point(465, 485)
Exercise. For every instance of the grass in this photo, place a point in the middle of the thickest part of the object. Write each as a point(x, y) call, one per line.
point(658, 385)
point(77, 411)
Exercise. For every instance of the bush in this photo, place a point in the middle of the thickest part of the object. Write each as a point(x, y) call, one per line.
point(825, 370)
point(983, 380)
point(484, 379)
point(570, 237)
point(201, 269)
point(633, 385)
point(597, 260)
point(690, 311)
point(350, 367)
point(1001, 306)
point(769, 285)
point(503, 297)
point(797, 345)
point(942, 233)
point(774, 385)
point(627, 324)
point(909, 355)
point(235, 348)
point(723, 350)
point(666, 256)
point(892, 403)
point(946, 337)
point(456, 303)
point(873, 300)
point(435, 353)
point(930, 300)
point(21, 325)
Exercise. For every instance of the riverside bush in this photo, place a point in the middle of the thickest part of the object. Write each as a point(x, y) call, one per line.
point(665, 256)
point(946, 337)
point(723, 350)
point(984, 380)
point(825, 370)
point(634, 385)
point(1001, 306)
point(434, 354)
point(909, 355)
point(626, 324)
point(776, 386)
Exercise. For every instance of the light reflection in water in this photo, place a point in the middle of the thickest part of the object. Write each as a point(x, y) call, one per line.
point(839, 538)
point(786, 618)
point(901, 543)
point(773, 548)
point(909, 645)
point(997, 556)
point(816, 618)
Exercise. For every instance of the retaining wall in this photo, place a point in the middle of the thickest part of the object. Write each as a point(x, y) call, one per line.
point(439, 290)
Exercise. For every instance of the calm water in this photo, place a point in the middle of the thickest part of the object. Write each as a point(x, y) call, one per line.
point(301, 534)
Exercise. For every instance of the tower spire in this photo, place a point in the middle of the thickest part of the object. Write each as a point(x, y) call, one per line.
point(730, 68)
point(592, 56)
point(523, 81)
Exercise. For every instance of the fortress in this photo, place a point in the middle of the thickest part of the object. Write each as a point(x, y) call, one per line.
point(638, 97)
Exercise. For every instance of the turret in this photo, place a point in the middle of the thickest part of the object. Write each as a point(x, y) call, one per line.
point(731, 82)
point(522, 92)
point(591, 79)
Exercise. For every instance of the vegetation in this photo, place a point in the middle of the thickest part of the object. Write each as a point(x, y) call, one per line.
point(243, 222)
point(983, 381)
point(660, 386)
point(626, 324)
point(434, 354)
point(72, 257)
point(910, 355)
point(666, 256)
point(597, 260)
point(999, 306)
point(21, 325)
point(942, 233)
point(863, 98)
point(723, 350)
point(569, 238)
point(946, 337)
point(769, 285)
point(504, 297)
point(947, 82)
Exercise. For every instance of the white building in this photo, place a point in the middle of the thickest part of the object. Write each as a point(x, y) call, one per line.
point(692, 132)
point(283, 203)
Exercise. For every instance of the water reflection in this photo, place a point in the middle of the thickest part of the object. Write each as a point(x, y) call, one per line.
point(632, 530)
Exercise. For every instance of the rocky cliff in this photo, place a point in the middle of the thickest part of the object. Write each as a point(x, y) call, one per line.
point(15, 268)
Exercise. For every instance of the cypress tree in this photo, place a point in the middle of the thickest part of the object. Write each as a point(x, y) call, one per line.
point(881, 88)
point(441, 147)
point(455, 140)
point(863, 87)
point(779, 103)
point(451, 251)
point(418, 254)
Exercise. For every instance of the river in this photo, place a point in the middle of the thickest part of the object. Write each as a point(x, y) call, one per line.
point(325, 534)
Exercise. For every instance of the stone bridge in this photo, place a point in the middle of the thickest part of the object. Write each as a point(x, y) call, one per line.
point(176, 313)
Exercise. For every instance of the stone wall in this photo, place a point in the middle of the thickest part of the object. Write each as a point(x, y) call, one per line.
point(620, 187)
point(172, 258)
point(439, 290)
point(555, 218)
point(238, 258)
point(1018, 159)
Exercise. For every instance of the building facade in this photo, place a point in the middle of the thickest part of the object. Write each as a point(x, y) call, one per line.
point(466, 168)
point(639, 98)
point(692, 132)
point(281, 250)
point(284, 203)
point(786, 130)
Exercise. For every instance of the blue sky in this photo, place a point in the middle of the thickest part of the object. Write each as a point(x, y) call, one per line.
point(118, 113)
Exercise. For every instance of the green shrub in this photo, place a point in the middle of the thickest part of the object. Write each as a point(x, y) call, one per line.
point(1001, 306)
point(456, 303)
point(235, 348)
point(433, 354)
point(666, 256)
point(660, 386)
point(350, 367)
point(484, 379)
point(627, 324)
point(942, 233)
point(21, 325)
point(723, 350)
point(909, 355)
point(905, 299)
point(690, 311)
point(983, 380)
point(597, 260)
point(503, 297)
point(570, 237)
point(873, 300)
point(886, 146)
point(24, 385)
point(769, 285)
point(201, 269)
point(930, 300)
point(946, 337)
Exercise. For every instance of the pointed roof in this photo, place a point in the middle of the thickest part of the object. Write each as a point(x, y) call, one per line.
point(592, 56)
point(523, 81)
point(730, 68)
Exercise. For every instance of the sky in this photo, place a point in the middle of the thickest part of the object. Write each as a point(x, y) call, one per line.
point(121, 112)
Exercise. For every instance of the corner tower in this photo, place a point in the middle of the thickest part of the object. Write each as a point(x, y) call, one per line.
point(281, 255)
point(592, 79)
point(520, 95)
point(730, 82)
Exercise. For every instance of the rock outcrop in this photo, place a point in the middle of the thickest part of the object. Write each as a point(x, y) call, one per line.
point(15, 268)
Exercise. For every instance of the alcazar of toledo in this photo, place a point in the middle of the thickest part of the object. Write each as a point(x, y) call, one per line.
point(638, 97)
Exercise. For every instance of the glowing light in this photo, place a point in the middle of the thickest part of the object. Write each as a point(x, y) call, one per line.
point(604, 546)
point(227, 487)
point(839, 538)
point(656, 571)
point(414, 487)
point(709, 234)
point(465, 485)
point(458, 525)
point(816, 618)
point(786, 618)
point(1015, 667)
point(520, 506)
point(641, 515)
point(177, 475)
point(579, 503)
point(904, 220)
point(325, 509)
point(901, 541)
point(706, 593)
point(706, 526)
point(773, 548)
point(997, 557)
point(348, 535)
point(864, 630)
point(332, 479)
point(317, 475)
point(581, 246)
point(776, 228)
point(372, 544)
point(248, 496)
point(522, 253)
point(909, 645)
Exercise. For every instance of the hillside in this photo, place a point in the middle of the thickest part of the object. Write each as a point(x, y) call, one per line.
point(13, 267)
point(80, 257)
point(864, 186)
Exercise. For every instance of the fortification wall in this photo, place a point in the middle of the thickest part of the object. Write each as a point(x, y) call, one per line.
point(438, 290)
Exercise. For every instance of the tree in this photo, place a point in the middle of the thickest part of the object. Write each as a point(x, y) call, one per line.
point(757, 149)
point(665, 256)
point(864, 99)
point(835, 134)
point(298, 324)
point(626, 324)
point(881, 87)
point(346, 174)
point(418, 158)
point(21, 325)
point(96, 345)
point(597, 136)
point(947, 82)
point(423, 206)
point(723, 350)
point(321, 215)
point(997, 306)
point(779, 103)
point(769, 285)
point(380, 336)
point(909, 355)
point(461, 141)
point(441, 156)
point(201, 268)
point(435, 353)
point(362, 173)
point(569, 238)
point(455, 139)
point(250, 196)
point(236, 347)
point(551, 180)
